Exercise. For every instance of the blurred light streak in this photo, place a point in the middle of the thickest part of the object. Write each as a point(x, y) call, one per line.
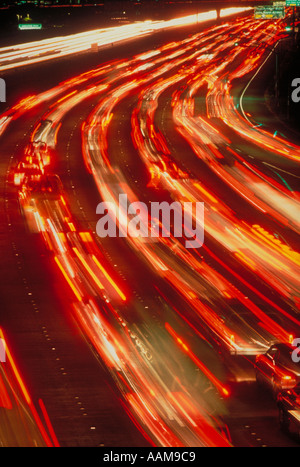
point(223, 390)
point(24, 391)
point(48, 423)
point(111, 281)
point(68, 279)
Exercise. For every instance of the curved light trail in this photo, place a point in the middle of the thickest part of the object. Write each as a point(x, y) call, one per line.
point(152, 360)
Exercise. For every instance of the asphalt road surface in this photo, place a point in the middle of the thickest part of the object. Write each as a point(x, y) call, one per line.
point(134, 341)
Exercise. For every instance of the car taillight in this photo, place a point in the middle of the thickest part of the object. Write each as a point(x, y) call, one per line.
point(287, 379)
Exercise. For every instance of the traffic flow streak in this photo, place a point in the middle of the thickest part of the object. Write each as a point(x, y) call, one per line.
point(25, 54)
point(143, 144)
point(21, 424)
point(46, 210)
point(152, 360)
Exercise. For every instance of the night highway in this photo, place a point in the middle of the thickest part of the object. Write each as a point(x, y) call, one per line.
point(149, 226)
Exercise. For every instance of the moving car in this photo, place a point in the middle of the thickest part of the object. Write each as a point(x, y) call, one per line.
point(26, 170)
point(288, 403)
point(276, 369)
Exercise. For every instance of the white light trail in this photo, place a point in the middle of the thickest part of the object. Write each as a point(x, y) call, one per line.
point(19, 55)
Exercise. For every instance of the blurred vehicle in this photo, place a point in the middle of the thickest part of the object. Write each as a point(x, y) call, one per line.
point(276, 369)
point(37, 152)
point(288, 403)
point(26, 170)
point(41, 200)
point(49, 184)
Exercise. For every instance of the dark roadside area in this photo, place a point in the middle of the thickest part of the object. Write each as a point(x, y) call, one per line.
point(267, 96)
point(283, 103)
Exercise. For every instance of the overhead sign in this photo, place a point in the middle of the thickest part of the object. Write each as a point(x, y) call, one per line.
point(270, 11)
point(29, 26)
point(292, 2)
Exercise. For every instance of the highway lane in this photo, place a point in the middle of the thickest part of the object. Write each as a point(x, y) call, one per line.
point(65, 412)
point(24, 54)
point(118, 120)
point(21, 425)
point(122, 143)
point(56, 360)
point(116, 152)
point(35, 135)
point(20, 55)
point(131, 167)
point(193, 166)
point(143, 297)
